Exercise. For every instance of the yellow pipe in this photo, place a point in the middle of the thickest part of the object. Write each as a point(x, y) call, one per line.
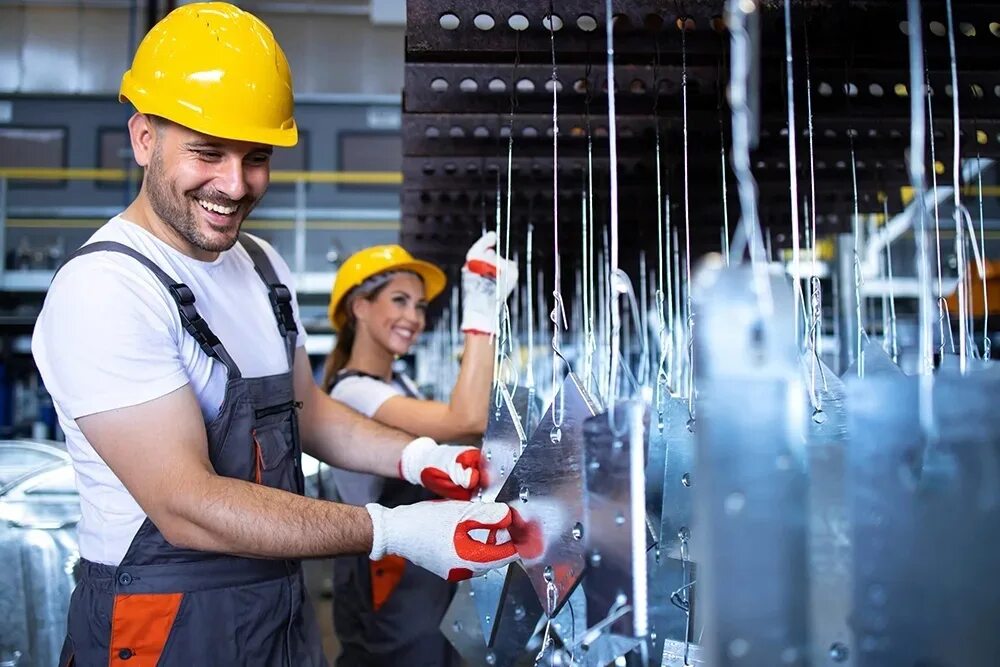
point(75, 174)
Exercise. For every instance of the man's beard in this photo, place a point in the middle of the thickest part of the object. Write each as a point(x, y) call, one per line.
point(178, 213)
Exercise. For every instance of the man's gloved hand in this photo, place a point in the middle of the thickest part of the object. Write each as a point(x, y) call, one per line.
point(482, 272)
point(450, 471)
point(455, 540)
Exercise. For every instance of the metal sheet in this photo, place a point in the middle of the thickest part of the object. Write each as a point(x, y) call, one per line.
point(504, 438)
point(751, 491)
point(877, 362)
point(520, 613)
point(488, 595)
point(546, 491)
point(667, 622)
point(924, 515)
point(615, 528)
point(678, 477)
point(829, 530)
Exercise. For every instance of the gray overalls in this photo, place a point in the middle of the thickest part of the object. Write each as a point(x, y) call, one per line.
point(388, 613)
point(168, 606)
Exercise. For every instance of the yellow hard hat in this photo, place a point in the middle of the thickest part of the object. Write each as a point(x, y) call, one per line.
point(216, 69)
point(369, 262)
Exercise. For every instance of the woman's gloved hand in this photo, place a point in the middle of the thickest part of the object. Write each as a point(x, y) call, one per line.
point(482, 273)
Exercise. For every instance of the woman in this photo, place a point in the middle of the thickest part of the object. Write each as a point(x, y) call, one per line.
point(388, 612)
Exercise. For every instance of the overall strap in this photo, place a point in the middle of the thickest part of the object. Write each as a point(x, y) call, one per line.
point(192, 321)
point(399, 379)
point(280, 295)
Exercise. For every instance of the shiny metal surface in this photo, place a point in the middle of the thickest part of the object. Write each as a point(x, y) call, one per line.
point(667, 622)
point(679, 479)
point(488, 596)
point(925, 514)
point(546, 490)
point(751, 491)
point(520, 613)
point(829, 529)
point(877, 362)
point(39, 509)
point(615, 529)
point(504, 438)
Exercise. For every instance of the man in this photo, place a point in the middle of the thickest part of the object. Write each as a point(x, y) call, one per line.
point(172, 349)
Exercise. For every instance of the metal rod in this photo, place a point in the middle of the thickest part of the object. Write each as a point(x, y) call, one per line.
point(963, 305)
point(793, 167)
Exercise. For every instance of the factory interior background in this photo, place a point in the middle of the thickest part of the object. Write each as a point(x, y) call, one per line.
point(758, 257)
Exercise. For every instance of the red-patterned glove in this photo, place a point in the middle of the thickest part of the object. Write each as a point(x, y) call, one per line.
point(448, 470)
point(453, 539)
point(482, 272)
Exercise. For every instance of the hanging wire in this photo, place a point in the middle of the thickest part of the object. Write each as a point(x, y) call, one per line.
point(987, 343)
point(687, 222)
point(793, 168)
point(815, 285)
point(614, 283)
point(894, 341)
point(722, 152)
point(858, 277)
point(963, 293)
point(662, 208)
point(937, 223)
point(558, 309)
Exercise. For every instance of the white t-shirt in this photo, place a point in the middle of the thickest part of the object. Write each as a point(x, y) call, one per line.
point(366, 395)
point(109, 336)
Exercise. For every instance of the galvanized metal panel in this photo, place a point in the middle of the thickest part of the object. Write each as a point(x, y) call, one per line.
point(615, 528)
point(924, 514)
point(751, 491)
point(504, 438)
point(546, 491)
point(829, 528)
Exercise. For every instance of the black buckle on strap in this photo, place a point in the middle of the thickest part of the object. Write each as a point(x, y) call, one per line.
point(281, 304)
point(193, 322)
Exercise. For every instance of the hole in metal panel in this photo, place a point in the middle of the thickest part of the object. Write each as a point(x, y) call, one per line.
point(586, 23)
point(468, 85)
point(497, 86)
point(938, 29)
point(555, 25)
point(449, 21)
point(484, 22)
point(518, 22)
point(439, 85)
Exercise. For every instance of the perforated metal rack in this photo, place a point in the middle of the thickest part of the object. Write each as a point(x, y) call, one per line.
point(461, 80)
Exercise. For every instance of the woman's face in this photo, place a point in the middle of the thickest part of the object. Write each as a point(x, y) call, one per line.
point(396, 316)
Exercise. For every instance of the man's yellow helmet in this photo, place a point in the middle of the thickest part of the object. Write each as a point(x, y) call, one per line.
point(216, 69)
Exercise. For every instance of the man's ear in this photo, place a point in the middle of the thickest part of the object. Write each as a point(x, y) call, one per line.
point(143, 135)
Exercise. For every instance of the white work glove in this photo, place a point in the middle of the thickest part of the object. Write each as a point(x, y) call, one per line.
point(451, 471)
point(484, 270)
point(453, 539)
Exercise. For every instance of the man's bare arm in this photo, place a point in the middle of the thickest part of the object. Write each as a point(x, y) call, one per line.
point(340, 436)
point(159, 451)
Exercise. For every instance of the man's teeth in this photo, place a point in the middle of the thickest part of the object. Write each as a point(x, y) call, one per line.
point(217, 208)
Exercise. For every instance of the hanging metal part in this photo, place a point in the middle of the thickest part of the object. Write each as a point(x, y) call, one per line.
point(877, 362)
point(615, 529)
point(860, 336)
point(505, 437)
point(906, 503)
point(687, 224)
point(546, 491)
point(519, 616)
point(753, 500)
point(829, 535)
